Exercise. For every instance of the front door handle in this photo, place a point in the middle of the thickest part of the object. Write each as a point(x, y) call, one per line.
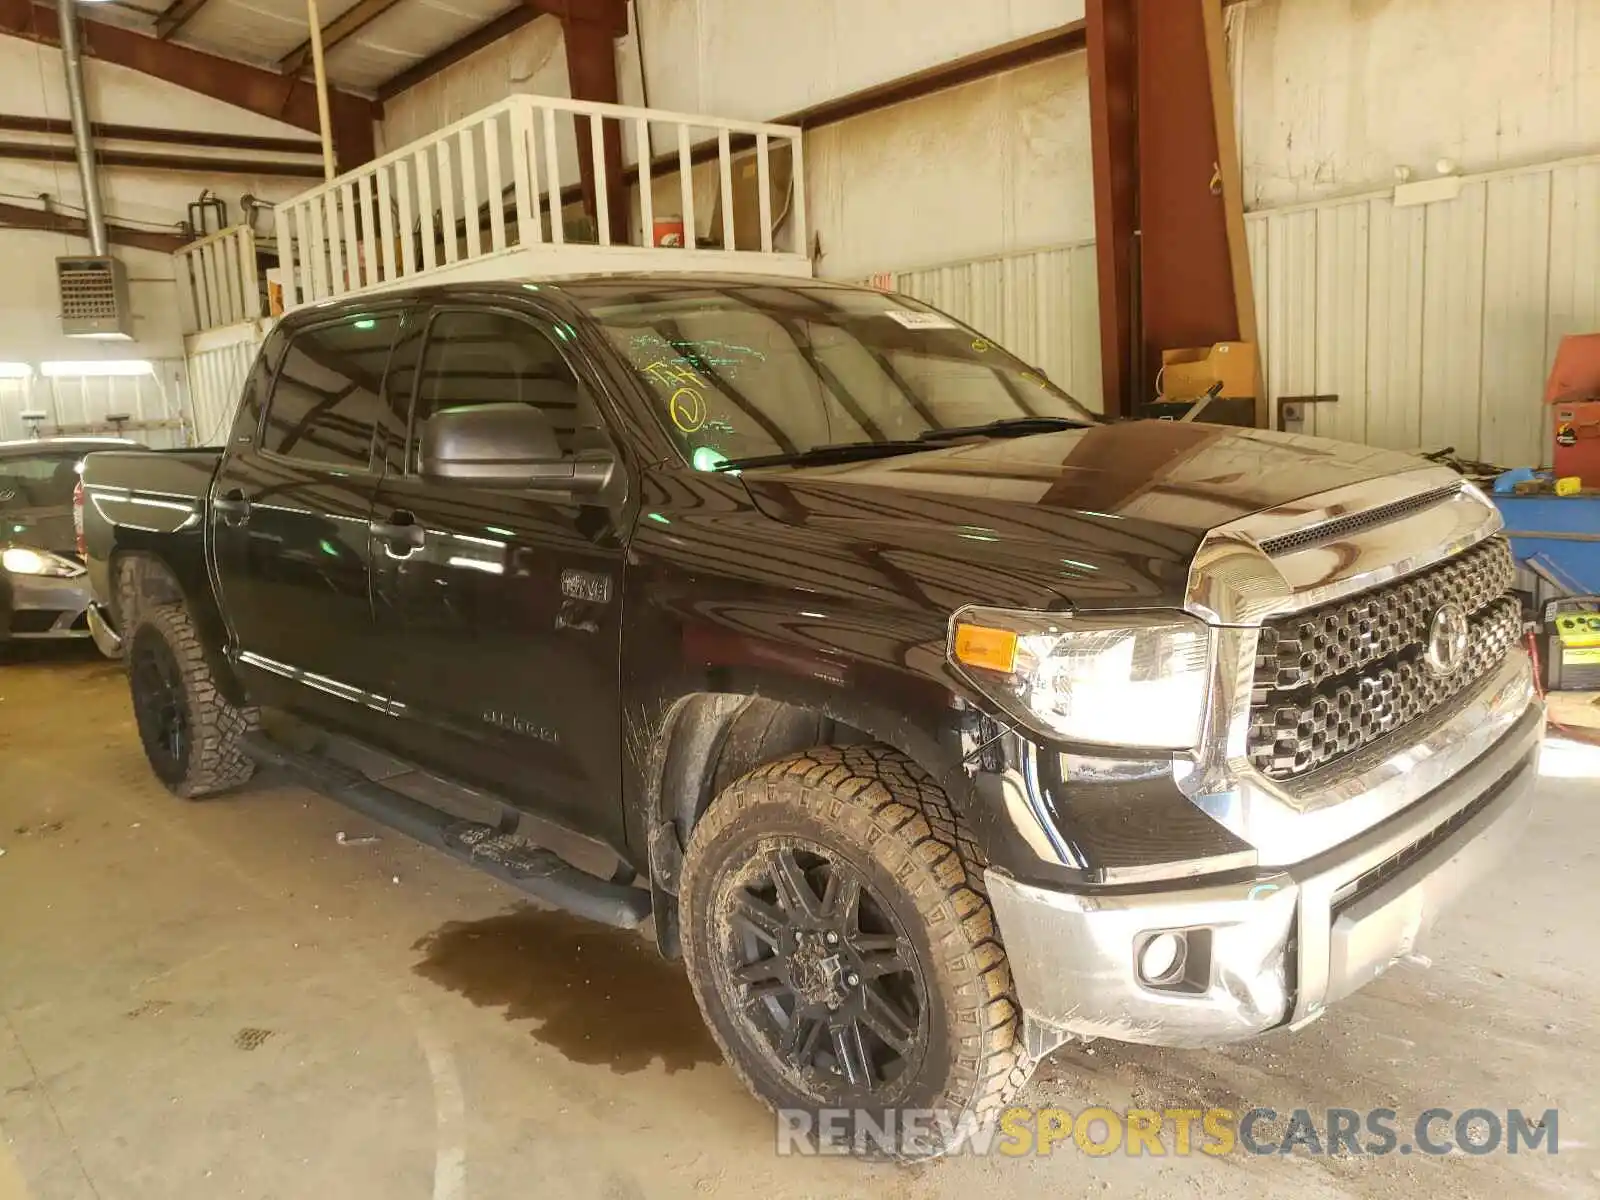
point(400, 531)
point(232, 506)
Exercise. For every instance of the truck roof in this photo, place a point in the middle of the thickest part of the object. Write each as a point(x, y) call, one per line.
point(580, 288)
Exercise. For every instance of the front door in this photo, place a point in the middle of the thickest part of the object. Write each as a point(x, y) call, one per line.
point(290, 512)
point(504, 605)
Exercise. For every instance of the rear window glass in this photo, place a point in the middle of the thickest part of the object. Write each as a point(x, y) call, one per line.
point(39, 481)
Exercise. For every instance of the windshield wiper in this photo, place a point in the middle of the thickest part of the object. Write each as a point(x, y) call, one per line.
point(822, 455)
point(1008, 427)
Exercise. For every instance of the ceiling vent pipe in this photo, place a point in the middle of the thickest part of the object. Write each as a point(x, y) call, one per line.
point(82, 141)
point(93, 289)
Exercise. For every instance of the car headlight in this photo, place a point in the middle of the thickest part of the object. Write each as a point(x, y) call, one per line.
point(19, 560)
point(1136, 680)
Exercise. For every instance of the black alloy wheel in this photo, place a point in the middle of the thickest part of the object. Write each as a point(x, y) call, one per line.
point(160, 704)
point(822, 972)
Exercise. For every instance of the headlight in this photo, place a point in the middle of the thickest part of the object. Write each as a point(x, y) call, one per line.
point(1136, 681)
point(21, 561)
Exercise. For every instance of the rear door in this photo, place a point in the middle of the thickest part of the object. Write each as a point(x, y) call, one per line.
point(504, 605)
point(290, 511)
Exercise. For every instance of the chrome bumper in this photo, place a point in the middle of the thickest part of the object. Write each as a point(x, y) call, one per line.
point(106, 639)
point(1274, 949)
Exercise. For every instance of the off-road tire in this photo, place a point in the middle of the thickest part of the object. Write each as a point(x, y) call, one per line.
point(887, 818)
point(212, 758)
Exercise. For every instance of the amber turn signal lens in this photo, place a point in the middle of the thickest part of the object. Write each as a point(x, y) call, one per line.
point(991, 649)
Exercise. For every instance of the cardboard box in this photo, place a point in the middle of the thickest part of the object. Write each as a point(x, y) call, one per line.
point(1189, 374)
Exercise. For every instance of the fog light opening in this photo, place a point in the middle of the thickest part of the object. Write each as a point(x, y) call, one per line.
point(1162, 958)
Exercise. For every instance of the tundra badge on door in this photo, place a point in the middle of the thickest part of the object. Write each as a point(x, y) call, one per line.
point(586, 585)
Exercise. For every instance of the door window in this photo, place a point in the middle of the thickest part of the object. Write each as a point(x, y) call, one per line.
point(325, 403)
point(475, 358)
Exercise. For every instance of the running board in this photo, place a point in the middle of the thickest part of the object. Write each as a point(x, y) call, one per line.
point(511, 859)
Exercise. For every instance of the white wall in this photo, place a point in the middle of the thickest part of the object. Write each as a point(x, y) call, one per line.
point(533, 59)
point(1332, 95)
point(1436, 325)
point(30, 324)
point(758, 61)
point(32, 83)
point(994, 167)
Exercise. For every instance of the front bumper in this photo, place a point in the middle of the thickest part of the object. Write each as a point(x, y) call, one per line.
point(1273, 949)
point(46, 608)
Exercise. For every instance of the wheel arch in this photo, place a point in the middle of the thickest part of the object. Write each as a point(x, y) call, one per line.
point(707, 740)
point(141, 578)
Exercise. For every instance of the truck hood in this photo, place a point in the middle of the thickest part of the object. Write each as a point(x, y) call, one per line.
point(1103, 517)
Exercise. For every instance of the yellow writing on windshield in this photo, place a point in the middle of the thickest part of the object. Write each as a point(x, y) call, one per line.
point(688, 409)
point(670, 374)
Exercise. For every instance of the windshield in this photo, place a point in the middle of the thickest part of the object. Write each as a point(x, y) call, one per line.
point(39, 480)
point(751, 370)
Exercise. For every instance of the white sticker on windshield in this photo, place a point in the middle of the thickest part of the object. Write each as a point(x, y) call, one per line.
point(920, 320)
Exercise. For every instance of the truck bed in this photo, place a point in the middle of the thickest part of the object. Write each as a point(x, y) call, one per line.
point(134, 498)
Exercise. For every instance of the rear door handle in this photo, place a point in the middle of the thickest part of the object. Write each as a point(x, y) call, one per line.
point(233, 506)
point(400, 531)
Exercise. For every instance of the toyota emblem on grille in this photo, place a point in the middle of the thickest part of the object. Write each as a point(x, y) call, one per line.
point(1447, 641)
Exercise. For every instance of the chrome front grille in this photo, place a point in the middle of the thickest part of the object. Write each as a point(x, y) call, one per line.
point(1334, 679)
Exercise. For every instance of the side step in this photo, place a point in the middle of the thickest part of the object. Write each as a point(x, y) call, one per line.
point(510, 859)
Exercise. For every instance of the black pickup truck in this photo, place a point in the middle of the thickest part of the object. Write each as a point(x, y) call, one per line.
point(932, 719)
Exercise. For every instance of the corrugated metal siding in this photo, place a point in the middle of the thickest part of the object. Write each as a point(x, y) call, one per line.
point(1434, 325)
point(1042, 305)
point(217, 367)
point(82, 404)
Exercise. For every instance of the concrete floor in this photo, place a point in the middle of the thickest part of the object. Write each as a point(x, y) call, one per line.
point(220, 999)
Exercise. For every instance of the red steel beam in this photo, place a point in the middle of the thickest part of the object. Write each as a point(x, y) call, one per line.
point(1186, 274)
point(17, 216)
point(190, 163)
point(1165, 265)
point(283, 98)
point(1113, 51)
point(161, 136)
point(592, 75)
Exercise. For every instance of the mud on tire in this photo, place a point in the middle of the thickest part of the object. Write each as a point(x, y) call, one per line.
point(904, 1005)
point(191, 733)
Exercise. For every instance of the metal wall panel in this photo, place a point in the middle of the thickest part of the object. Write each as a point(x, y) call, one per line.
point(1042, 305)
point(1435, 325)
point(217, 368)
point(75, 405)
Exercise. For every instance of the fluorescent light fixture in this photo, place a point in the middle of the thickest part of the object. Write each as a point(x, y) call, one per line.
point(97, 367)
point(15, 370)
point(102, 337)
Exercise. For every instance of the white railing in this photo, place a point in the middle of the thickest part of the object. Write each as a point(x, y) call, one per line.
point(218, 283)
point(504, 182)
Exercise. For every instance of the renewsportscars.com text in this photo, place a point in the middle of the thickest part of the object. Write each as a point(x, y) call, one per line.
point(1176, 1132)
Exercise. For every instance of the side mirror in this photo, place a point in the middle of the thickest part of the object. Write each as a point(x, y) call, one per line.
point(504, 446)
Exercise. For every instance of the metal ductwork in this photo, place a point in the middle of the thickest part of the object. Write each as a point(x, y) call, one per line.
point(93, 288)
